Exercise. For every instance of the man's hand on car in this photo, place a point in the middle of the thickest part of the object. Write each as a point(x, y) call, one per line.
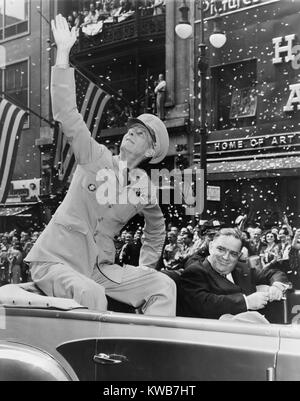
point(257, 300)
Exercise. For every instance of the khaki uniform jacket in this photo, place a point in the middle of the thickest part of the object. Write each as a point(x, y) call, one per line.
point(82, 230)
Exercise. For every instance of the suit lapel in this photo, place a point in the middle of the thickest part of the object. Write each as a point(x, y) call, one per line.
point(220, 281)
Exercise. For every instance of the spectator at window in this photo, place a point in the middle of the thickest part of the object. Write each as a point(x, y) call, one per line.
point(107, 7)
point(93, 15)
point(92, 26)
point(158, 7)
point(70, 21)
point(85, 13)
point(125, 6)
point(76, 19)
point(160, 92)
point(116, 8)
point(102, 14)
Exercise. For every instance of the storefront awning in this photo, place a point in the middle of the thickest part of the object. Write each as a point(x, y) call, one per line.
point(7, 211)
point(228, 169)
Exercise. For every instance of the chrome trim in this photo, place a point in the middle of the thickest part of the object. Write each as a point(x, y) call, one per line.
point(142, 320)
point(112, 359)
point(271, 374)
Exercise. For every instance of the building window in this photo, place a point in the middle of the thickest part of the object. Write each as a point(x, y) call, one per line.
point(14, 83)
point(14, 15)
point(234, 100)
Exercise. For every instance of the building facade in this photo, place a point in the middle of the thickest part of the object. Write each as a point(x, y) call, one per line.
point(253, 95)
point(24, 79)
point(253, 111)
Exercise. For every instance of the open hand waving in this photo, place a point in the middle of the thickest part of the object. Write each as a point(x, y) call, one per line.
point(64, 38)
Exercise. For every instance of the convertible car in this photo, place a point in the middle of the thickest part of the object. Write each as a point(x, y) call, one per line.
point(53, 339)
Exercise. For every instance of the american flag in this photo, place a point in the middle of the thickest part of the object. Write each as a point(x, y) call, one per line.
point(91, 101)
point(12, 119)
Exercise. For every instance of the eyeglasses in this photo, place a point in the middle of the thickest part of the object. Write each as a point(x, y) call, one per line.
point(232, 254)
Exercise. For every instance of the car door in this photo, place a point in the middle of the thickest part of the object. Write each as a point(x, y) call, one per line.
point(139, 348)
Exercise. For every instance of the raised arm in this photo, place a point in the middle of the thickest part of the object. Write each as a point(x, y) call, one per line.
point(63, 95)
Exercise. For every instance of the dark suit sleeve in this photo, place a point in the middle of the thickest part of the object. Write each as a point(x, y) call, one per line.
point(198, 298)
point(269, 276)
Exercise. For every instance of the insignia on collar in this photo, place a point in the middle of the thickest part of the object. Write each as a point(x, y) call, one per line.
point(92, 187)
point(138, 192)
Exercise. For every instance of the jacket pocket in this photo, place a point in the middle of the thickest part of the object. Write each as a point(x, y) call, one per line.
point(71, 223)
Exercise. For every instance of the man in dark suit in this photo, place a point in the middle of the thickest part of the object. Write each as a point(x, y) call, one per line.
point(221, 285)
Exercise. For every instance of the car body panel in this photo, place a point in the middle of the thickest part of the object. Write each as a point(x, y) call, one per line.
point(156, 348)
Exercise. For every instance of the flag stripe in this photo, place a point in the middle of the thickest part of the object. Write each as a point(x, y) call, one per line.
point(14, 150)
point(8, 136)
point(100, 111)
point(12, 120)
point(89, 120)
point(86, 101)
point(91, 101)
point(97, 124)
point(70, 167)
point(66, 149)
point(4, 107)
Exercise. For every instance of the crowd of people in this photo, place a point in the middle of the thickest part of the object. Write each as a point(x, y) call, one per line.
point(274, 248)
point(91, 19)
point(278, 247)
point(14, 246)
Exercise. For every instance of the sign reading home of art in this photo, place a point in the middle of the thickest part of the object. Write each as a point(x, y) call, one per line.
point(267, 141)
point(230, 6)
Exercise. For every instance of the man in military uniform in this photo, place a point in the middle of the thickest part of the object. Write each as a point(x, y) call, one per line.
point(75, 255)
